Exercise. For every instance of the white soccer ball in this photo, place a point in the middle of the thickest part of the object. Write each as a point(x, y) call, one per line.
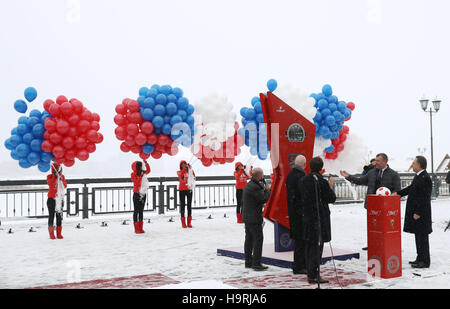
point(383, 191)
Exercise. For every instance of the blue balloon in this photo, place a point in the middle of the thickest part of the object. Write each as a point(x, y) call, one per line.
point(22, 150)
point(35, 145)
point(35, 113)
point(167, 119)
point(15, 156)
point(318, 116)
point(171, 98)
point(32, 121)
point(272, 85)
point(324, 131)
point(171, 109)
point(330, 120)
point(143, 91)
point(46, 157)
point(20, 106)
point(14, 131)
point(183, 103)
point(338, 116)
point(27, 138)
point(250, 114)
point(152, 93)
point(141, 100)
point(148, 103)
point(33, 158)
point(243, 111)
point(45, 115)
point(156, 87)
point(255, 100)
point(175, 119)
point(260, 118)
point(161, 99)
point(327, 90)
point(22, 120)
point(30, 94)
point(190, 109)
point(24, 163)
point(182, 114)
point(325, 113)
point(158, 131)
point(258, 107)
point(159, 110)
point(333, 99)
point(44, 167)
point(147, 114)
point(166, 90)
point(190, 120)
point(329, 149)
point(22, 129)
point(332, 107)
point(158, 122)
point(341, 105)
point(167, 129)
point(148, 148)
point(322, 104)
point(15, 140)
point(8, 144)
point(177, 92)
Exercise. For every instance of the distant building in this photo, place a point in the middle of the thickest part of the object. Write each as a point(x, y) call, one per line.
point(445, 164)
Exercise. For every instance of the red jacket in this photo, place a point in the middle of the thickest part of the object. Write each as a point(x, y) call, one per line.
point(52, 182)
point(241, 179)
point(137, 179)
point(183, 177)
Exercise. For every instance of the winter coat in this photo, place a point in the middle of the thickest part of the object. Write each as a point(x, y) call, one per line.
point(418, 202)
point(137, 179)
point(294, 201)
point(183, 178)
point(241, 177)
point(253, 200)
point(52, 182)
point(390, 179)
point(309, 202)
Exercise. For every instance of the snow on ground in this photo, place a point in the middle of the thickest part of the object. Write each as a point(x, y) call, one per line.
point(188, 255)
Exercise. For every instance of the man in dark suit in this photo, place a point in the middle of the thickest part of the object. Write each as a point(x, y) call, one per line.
point(380, 176)
point(295, 213)
point(256, 194)
point(418, 211)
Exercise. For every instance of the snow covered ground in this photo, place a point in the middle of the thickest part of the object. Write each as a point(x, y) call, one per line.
point(188, 255)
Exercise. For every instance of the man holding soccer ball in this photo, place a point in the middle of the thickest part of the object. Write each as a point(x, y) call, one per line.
point(380, 176)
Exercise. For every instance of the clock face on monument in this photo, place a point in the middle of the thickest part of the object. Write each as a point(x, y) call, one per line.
point(295, 133)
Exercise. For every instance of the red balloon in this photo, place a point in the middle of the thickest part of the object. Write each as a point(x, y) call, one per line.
point(133, 106)
point(83, 126)
point(74, 119)
point(119, 119)
point(163, 139)
point(130, 140)
point(86, 115)
point(156, 154)
point(70, 154)
point(59, 160)
point(66, 108)
point(46, 135)
point(95, 117)
point(47, 104)
point(58, 151)
point(92, 135)
point(62, 126)
point(144, 156)
point(55, 138)
point(136, 149)
point(99, 138)
point(132, 129)
point(82, 155)
point(345, 129)
point(340, 147)
point(351, 105)
point(140, 139)
point(77, 106)
point(91, 148)
point(81, 143)
point(50, 125)
point(69, 163)
point(72, 132)
point(61, 99)
point(160, 148)
point(47, 146)
point(152, 139)
point(147, 127)
point(68, 142)
point(54, 110)
point(135, 118)
point(121, 133)
point(124, 147)
point(121, 109)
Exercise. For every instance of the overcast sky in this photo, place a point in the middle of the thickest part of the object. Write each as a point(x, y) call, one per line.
point(382, 55)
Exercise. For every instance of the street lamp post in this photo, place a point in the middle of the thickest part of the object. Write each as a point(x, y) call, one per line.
point(433, 108)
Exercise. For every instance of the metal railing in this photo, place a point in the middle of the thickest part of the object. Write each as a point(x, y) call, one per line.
point(90, 197)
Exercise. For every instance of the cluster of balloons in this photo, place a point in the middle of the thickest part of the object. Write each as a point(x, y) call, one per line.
point(20, 105)
point(254, 130)
point(329, 120)
point(71, 131)
point(226, 153)
point(156, 123)
point(26, 140)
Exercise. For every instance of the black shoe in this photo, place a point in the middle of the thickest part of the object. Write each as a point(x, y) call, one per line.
point(260, 267)
point(420, 265)
point(413, 262)
point(364, 249)
point(314, 280)
point(302, 271)
point(248, 266)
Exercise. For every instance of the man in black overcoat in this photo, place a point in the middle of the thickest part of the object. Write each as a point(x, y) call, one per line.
point(295, 213)
point(418, 211)
point(316, 193)
point(256, 194)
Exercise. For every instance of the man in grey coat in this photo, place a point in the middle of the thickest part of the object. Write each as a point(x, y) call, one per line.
point(256, 194)
point(380, 176)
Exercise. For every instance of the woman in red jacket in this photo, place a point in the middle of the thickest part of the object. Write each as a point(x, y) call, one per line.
point(185, 189)
point(241, 181)
point(140, 181)
point(55, 202)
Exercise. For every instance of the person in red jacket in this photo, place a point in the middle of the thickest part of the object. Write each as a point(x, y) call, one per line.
point(241, 181)
point(140, 181)
point(185, 189)
point(55, 202)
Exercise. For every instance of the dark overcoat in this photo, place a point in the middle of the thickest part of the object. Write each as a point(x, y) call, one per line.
point(294, 202)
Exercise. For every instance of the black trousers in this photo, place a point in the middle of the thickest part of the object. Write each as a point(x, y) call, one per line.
point(139, 204)
point(299, 255)
point(239, 194)
point(253, 244)
point(186, 200)
point(313, 258)
point(51, 205)
point(423, 248)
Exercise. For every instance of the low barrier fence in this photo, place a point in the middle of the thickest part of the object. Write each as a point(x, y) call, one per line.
point(90, 197)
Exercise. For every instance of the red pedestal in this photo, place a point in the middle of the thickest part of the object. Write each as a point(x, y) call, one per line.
point(384, 236)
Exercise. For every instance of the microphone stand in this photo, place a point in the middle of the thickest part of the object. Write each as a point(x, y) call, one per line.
point(319, 229)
